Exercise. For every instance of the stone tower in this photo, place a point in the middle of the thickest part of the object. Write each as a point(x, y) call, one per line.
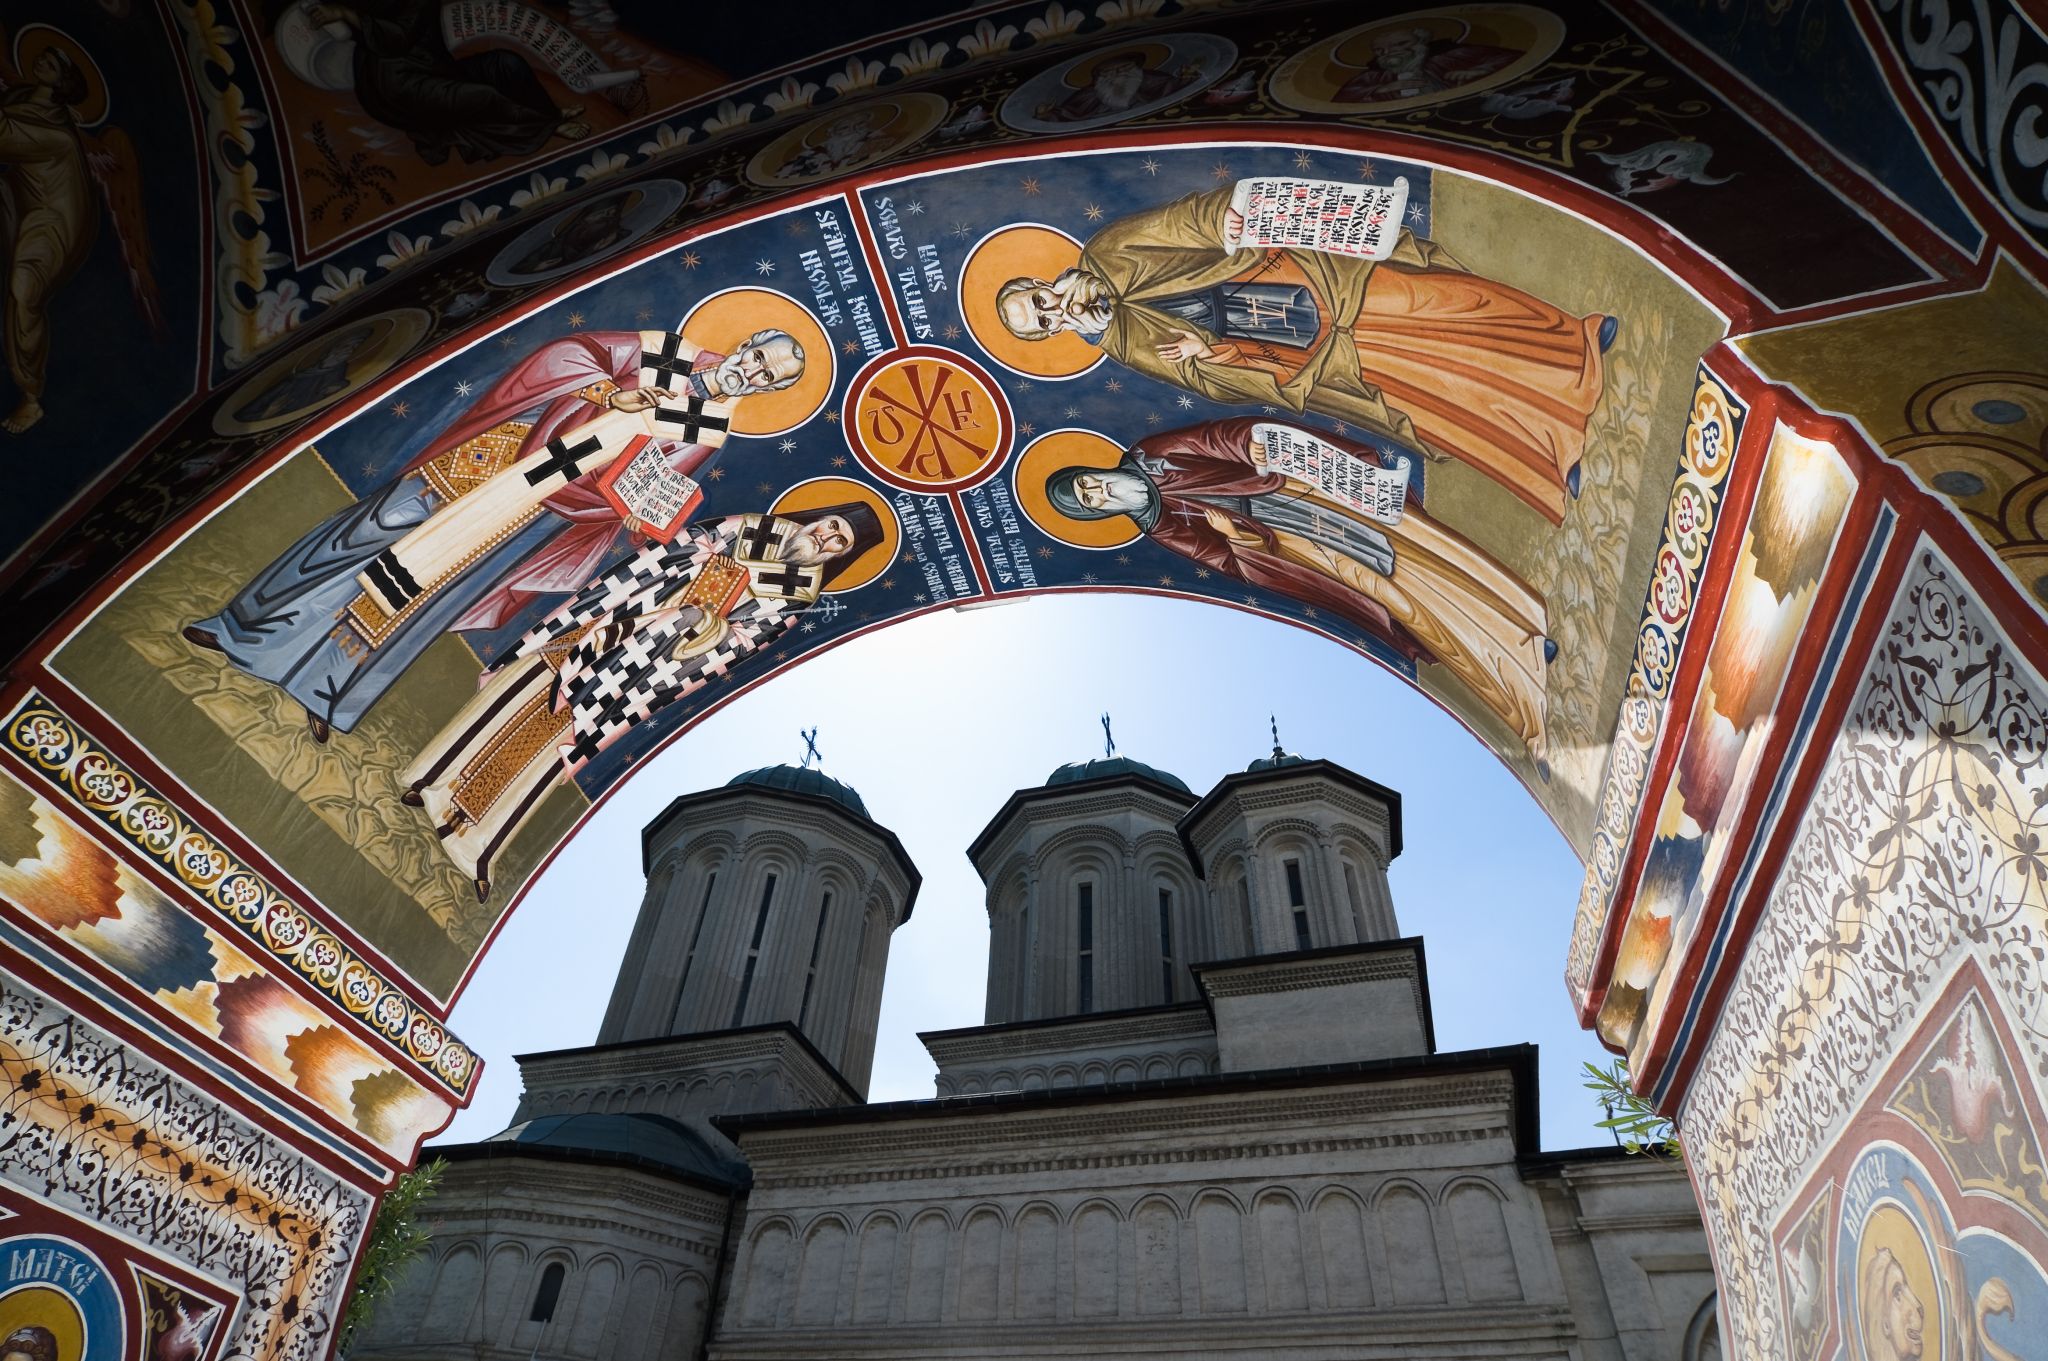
point(770, 900)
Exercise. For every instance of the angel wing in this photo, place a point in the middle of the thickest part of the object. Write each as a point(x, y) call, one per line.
point(9, 77)
point(111, 157)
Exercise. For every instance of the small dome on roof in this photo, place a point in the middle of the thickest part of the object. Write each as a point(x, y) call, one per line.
point(802, 780)
point(650, 1138)
point(1276, 759)
point(1104, 766)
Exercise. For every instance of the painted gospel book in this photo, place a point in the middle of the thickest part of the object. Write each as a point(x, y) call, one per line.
point(641, 485)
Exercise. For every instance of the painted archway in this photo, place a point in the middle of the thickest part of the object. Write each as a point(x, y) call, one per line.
point(1671, 425)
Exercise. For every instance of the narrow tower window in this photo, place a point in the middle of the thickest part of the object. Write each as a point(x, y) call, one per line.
point(1084, 934)
point(1297, 901)
point(546, 1296)
point(739, 1011)
point(811, 978)
point(1166, 943)
point(690, 955)
point(1357, 904)
point(1244, 913)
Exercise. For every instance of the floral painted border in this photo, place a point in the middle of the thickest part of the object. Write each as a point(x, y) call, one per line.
point(1712, 432)
point(54, 748)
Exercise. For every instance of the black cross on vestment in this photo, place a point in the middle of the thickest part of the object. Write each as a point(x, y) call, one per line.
point(757, 538)
point(564, 458)
point(690, 415)
point(788, 581)
point(669, 364)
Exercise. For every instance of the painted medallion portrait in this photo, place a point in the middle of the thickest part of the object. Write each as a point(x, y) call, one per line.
point(317, 376)
point(1108, 87)
point(1428, 57)
point(57, 1303)
point(586, 233)
point(846, 140)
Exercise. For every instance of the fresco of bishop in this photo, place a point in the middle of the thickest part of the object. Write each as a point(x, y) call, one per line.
point(499, 508)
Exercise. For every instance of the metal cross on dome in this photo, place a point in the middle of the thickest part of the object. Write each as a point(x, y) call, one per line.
point(811, 752)
point(1108, 740)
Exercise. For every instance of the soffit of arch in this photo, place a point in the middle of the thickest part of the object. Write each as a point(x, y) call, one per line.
point(1171, 1115)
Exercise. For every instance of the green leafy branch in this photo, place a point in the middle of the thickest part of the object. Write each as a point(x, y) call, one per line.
point(1639, 1128)
point(396, 1238)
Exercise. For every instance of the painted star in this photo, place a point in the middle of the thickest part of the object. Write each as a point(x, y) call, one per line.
point(764, 266)
point(1123, 559)
point(462, 388)
point(920, 597)
point(1026, 427)
point(1028, 185)
point(908, 560)
point(644, 314)
point(1202, 573)
point(862, 617)
point(850, 346)
point(1251, 600)
point(839, 460)
point(1302, 160)
point(951, 332)
point(718, 474)
point(1073, 411)
point(1045, 552)
point(1088, 577)
point(1219, 171)
point(888, 583)
point(962, 230)
point(488, 650)
point(787, 446)
point(691, 259)
point(1153, 418)
point(832, 417)
point(1025, 385)
point(914, 208)
point(575, 320)
point(1151, 166)
point(766, 489)
point(795, 227)
point(1093, 212)
point(369, 467)
point(505, 342)
point(1311, 612)
point(1343, 429)
point(807, 626)
point(1368, 171)
point(1166, 581)
point(401, 409)
point(1113, 385)
point(1270, 410)
point(1184, 403)
point(1415, 213)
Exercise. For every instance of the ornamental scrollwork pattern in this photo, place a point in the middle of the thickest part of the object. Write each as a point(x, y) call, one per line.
point(100, 1131)
point(57, 752)
point(1926, 840)
point(1982, 70)
point(1712, 430)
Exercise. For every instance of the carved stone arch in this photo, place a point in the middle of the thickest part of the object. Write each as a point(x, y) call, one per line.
point(930, 1246)
point(821, 1263)
point(1339, 1228)
point(1403, 1210)
point(771, 1252)
point(1034, 1260)
point(765, 843)
point(1094, 1073)
point(982, 1231)
point(1190, 1063)
point(876, 1248)
point(1125, 1070)
point(1217, 1217)
point(1068, 1071)
point(1703, 1334)
point(1348, 835)
point(1278, 1226)
point(1114, 847)
point(1476, 1211)
point(1281, 828)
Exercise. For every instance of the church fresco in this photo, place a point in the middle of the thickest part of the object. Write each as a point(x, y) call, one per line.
point(377, 629)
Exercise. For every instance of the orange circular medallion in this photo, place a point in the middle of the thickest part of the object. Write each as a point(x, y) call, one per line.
point(927, 419)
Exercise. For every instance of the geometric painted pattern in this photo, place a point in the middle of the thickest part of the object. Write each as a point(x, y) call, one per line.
point(53, 747)
point(1712, 432)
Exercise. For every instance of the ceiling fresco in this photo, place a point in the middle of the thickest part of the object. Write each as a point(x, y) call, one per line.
point(424, 410)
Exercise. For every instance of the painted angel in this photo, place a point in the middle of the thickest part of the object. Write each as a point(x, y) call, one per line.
point(50, 165)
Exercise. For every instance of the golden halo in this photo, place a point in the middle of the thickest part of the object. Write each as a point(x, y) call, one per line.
point(837, 491)
point(911, 116)
point(1057, 449)
point(44, 1306)
point(381, 341)
point(1311, 80)
point(36, 39)
point(723, 320)
point(1149, 55)
point(1024, 250)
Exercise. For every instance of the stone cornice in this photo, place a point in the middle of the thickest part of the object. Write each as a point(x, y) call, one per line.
point(1072, 1036)
point(581, 1070)
point(1252, 978)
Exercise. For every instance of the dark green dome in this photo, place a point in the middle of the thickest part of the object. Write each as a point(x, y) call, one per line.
point(1276, 760)
point(647, 1138)
point(802, 780)
point(1102, 767)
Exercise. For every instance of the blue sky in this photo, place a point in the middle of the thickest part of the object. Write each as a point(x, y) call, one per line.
point(935, 721)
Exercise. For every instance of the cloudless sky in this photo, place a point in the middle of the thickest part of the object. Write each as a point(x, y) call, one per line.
point(937, 720)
